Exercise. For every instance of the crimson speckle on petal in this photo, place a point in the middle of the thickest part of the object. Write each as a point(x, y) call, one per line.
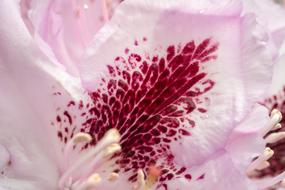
point(149, 101)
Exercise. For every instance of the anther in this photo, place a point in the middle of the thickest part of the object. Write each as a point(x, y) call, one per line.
point(92, 156)
point(76, 139)
point(275, 118)
point(152, 177)
point(90, 183)
point(95, 179)
point(141, 183)
point(113, 176)
point(112, 149)
point(276, 127)
point(276, 115)
point(82, 138)
point(112, 135)
point(276, 112)
point(268, 153)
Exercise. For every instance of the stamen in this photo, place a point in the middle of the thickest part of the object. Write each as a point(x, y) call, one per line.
point(275, 118)
point(276, 112)
point(276, 127)
point(274, 137)
point(141, 183)
point(111, 137)
point(89, 184)
point(113, 176)
point(263, 165)
point(266, 183)
point(152, 177)
point(267, 154)
point(76, 139)
point(100, 157)
point(94, 179)
point(112, 149)
point(82, 138)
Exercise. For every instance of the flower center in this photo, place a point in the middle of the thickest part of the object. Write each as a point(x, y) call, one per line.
point(150, 102)
point(80, 174)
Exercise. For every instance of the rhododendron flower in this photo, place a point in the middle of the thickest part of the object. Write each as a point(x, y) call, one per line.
point(169, 101)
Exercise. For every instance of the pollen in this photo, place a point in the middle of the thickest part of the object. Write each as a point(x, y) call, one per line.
point(274, 121)
point(276, 113)
point(95, 179)
point(112, 149)
point(113, 176)
point(141, 183)
point(153, 175)
point(82, 138)
point(147, 182)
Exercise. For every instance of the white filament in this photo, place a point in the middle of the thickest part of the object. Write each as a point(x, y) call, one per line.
point(275, 118)
point(268, 153)
point(275, 137)
point(111, 137)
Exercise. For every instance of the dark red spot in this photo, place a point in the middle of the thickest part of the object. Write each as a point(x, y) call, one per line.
point(68, 117)
point(127, 50)
point(71, 103)
point(188, 176)
point(59, 134)
point(201, 177)
point(58, 119)
point(202, 110)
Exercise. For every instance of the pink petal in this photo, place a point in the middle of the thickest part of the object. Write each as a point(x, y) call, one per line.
point(62, 29)
point(27, 82)
point(226, 168)
point(278, 80)
point(237, 78)
point(269, 14)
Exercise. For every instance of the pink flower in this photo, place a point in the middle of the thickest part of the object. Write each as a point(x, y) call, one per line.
point(171, 102)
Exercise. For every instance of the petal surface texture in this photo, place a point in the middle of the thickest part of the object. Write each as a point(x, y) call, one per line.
point(181, 84)
point(174, 85)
